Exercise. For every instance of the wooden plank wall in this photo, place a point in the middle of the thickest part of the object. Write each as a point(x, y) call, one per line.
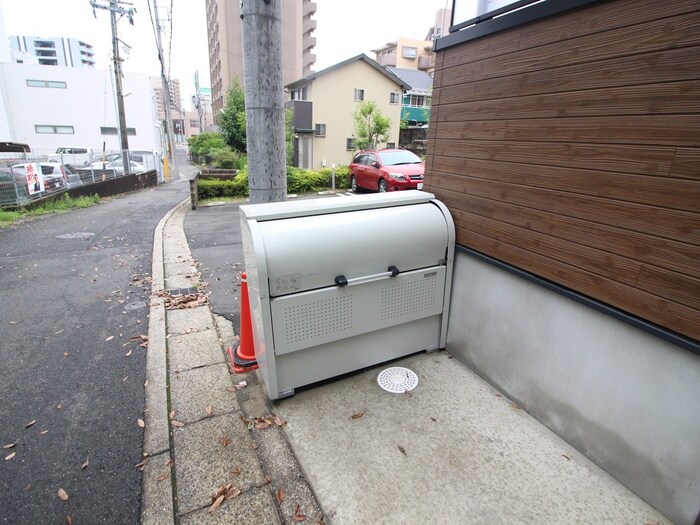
point(570, 148)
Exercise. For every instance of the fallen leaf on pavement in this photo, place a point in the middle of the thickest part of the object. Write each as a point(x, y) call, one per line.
point(43, 432)
point(10, 456)
point(217, 503)
point(109, 338)
point(280, 495)
point(13, 322)
point(9, 445)
point(128, 353)
point(403, 450)
point(32, 422)
point(298, 514)
point(171, 415)
point(210, 410)
point(141, 464)
point(358, 415)
point(407, 393)
point(235, 471)
point(177, 424)
point(225, 442)
point(140, 423)
point(163, 475)
point(62, 495)
point(69, 520)
point(85, 464)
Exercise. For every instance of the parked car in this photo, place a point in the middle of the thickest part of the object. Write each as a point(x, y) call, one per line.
point(386, 170)
point(53, 172)
point(117, 165)
point(70, 178)
point(72, 157)
point(13, 187)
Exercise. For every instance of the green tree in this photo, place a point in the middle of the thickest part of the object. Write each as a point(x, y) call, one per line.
point(371, 127)
point(232, 117)
point(206, 143)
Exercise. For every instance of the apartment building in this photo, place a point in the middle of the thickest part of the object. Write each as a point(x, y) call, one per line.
point(225, 49)
point(68, 52)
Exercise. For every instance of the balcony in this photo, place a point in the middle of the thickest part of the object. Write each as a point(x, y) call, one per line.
point(308, 25)
point(309, 8)
point(302, 111)
point(308, 42)
point(426, 62)
point(308, 60)
point(388, 59)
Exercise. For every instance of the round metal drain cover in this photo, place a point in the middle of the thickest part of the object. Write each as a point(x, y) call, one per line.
point(397, 380)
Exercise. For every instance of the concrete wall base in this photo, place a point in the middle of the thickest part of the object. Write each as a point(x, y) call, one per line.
point(626, 399)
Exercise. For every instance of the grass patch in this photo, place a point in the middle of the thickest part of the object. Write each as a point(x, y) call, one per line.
point(65, 203)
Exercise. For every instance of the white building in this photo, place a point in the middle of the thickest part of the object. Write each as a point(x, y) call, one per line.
point(51, 107)
point(68, 52)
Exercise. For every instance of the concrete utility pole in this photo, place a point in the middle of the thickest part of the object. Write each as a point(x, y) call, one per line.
point(113, 9)
point(166, 97)
point(264, 99)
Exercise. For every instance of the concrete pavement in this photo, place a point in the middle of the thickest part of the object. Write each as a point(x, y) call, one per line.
point(453, 451)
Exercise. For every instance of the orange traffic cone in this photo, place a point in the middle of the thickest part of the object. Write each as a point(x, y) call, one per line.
point(243, 357)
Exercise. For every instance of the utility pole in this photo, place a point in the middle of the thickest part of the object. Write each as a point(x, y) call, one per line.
point(264, 97)
point(166, 97)
point(114, 7)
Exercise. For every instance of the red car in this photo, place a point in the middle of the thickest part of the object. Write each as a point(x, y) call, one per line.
point(386, 170)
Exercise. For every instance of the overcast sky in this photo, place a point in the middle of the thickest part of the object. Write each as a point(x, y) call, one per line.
point(344, 29)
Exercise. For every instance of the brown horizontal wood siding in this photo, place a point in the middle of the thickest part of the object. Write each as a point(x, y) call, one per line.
point(570, 148)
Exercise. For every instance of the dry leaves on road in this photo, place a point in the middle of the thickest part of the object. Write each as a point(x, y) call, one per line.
point(280, 495)
point(31, 423)
point(140, 423)
point(180, 302)
point(298, 514)
point(223, 492)
point(403, 450)
point(62, 495)
point(357, 415)
point(261, 423)
point(10, 456)
point(85, 464)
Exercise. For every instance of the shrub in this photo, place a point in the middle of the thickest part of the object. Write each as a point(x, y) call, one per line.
point(226, 158)
point(298, 181)
point(213, 189)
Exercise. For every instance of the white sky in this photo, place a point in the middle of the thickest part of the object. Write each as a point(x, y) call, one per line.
point(344, 29)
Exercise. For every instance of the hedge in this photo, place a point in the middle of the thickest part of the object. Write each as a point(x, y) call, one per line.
point(298, 181)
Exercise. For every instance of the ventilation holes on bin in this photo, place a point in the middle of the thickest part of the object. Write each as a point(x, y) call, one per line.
point(303, 322)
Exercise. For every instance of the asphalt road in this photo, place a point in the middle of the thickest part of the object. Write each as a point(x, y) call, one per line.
point(72, 310)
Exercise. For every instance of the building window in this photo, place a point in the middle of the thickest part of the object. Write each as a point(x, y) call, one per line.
point(391, 145)
point(409, 52)
point(114, 131)
point(320, 130)
point(194, 124)
point(54, 130)
point(438, 33)
point(359, 95)
point(350, 144)
point(394, 98)
point(419, 101)
point(46, 84)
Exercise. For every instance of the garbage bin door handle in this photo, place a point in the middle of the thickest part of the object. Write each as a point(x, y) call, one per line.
point(342, 281)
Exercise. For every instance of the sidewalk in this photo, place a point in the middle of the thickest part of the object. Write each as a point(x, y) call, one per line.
point(453, 451)
point(197, 445)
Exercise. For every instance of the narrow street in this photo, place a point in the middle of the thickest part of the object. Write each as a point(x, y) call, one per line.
point(75, 291)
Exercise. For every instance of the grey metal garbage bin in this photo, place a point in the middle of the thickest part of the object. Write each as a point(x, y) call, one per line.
point(341, 283)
